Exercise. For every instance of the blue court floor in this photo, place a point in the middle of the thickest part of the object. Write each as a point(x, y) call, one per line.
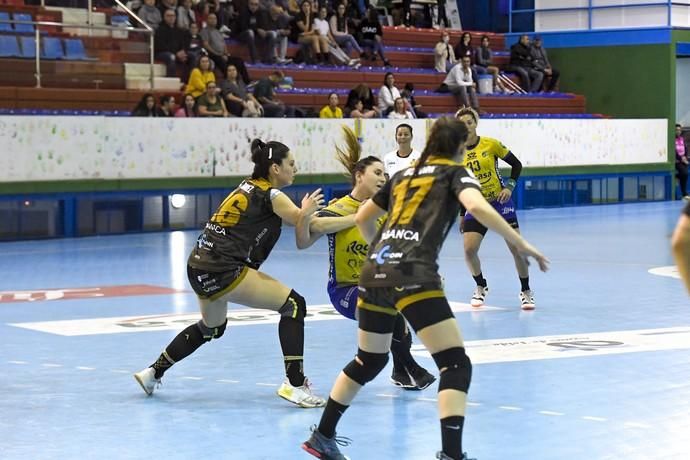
point(601, 369)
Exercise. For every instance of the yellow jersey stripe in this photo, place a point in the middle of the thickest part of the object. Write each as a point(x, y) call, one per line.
point(407, 301)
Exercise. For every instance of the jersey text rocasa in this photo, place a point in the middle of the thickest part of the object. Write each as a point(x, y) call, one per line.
point(421, 210)
point(243, 229)
point(347, 249)
point(482, 160)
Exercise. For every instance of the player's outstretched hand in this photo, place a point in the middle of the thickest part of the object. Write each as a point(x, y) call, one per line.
point(312, 202)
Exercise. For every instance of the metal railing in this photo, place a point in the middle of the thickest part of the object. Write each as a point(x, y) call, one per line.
point(591, 8)
point(90, 26)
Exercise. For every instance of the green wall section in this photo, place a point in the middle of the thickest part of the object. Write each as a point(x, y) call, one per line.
point(636, 81)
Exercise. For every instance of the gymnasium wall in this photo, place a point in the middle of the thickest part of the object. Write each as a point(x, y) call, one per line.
point(98, 153)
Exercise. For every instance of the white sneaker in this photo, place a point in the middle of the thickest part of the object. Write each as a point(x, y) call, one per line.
point(147, 379)
point(527, 300)
point(479, 295)
point(302, 396)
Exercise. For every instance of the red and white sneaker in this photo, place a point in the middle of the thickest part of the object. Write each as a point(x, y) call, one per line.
point(527, 300)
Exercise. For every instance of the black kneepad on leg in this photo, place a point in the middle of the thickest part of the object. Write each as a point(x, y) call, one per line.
point(455, 368)
point(372, 365)
point(295, 307)
point(209, 333)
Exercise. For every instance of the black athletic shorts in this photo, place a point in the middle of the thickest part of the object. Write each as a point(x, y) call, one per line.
point(421, 304)
point(212, 285)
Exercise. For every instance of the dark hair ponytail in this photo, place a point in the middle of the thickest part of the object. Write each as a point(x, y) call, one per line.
point(264, 154)
point(445, 138)
point(350, 157)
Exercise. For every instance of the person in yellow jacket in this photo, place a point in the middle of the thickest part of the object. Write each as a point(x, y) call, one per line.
point(200, 76)
point(331, 110)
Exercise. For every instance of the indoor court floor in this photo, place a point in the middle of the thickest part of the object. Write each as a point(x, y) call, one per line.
point(600, 370)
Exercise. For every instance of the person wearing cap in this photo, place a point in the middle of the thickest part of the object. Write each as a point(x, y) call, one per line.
point(541, 62)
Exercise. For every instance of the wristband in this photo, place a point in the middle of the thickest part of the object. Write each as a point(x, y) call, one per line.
point(510, 184)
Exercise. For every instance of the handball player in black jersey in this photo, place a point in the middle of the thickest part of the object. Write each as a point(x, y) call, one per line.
point(224, 267)
point(401, 276)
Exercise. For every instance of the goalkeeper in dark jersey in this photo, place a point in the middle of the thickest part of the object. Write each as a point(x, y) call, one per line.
point(401, 276)
point(224, 267)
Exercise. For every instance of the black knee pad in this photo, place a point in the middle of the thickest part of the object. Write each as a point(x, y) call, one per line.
point(209, 333)
point(295, 307)
point(372, 364)
point(455, 368)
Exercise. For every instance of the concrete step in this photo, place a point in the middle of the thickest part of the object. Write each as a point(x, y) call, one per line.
point(136, 70)
point(160, 84)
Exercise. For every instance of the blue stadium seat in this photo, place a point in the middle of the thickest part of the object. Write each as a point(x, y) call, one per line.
point(9, 46)
point(23, 28)
point(74, 50)
point(5, 26)
point(52, 48)
point(28, 47)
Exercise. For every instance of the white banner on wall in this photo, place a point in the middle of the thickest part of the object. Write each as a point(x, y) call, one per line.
point(73, 148)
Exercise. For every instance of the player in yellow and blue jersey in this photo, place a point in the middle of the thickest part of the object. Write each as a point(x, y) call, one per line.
point(481, 157)
point(348, 253)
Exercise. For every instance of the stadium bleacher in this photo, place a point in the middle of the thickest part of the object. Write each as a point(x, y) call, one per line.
point(109, 71)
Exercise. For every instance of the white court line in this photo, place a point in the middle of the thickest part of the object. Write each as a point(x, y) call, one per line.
point(84, 368)
point(636, 425)
point(593, 419)
point(119, 371)
point(261, 384)
point(51, 365)
point(514, 408)
point(17, 362)
point(189, 377)
point(473, 403)
point(427, 399)
point(549, 412)
point(385, 395)
point(227, 381)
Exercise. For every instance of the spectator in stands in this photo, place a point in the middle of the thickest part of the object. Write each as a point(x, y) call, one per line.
point(202, 10)
point(442, 17)
point(210, 104)
point(185, 15)
point(293, 8)
point(341, 31)
point(541, 62)
point(322, 25)
point(388, 94)
point(362, 93)
point(408, 94)
point(682, 156)
point(167, 107)
point(265, 94)
point(164, 5)
point(464, 47)
point(353, 13)
point(444, 54)
point(522, 64)
point(238, 100)
point(461, 81)
point(372, 35)
point(248, 30)
point(169, 44)
point(214, 44)
point(483, 63)
point(146, 107)
point(279, 23)
point(331, 110)
point(150, 14)
point(200, 77)
point(194, 45)
point(188, 107)
point(358, 111)
point(400, 111)
point(304, 33)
